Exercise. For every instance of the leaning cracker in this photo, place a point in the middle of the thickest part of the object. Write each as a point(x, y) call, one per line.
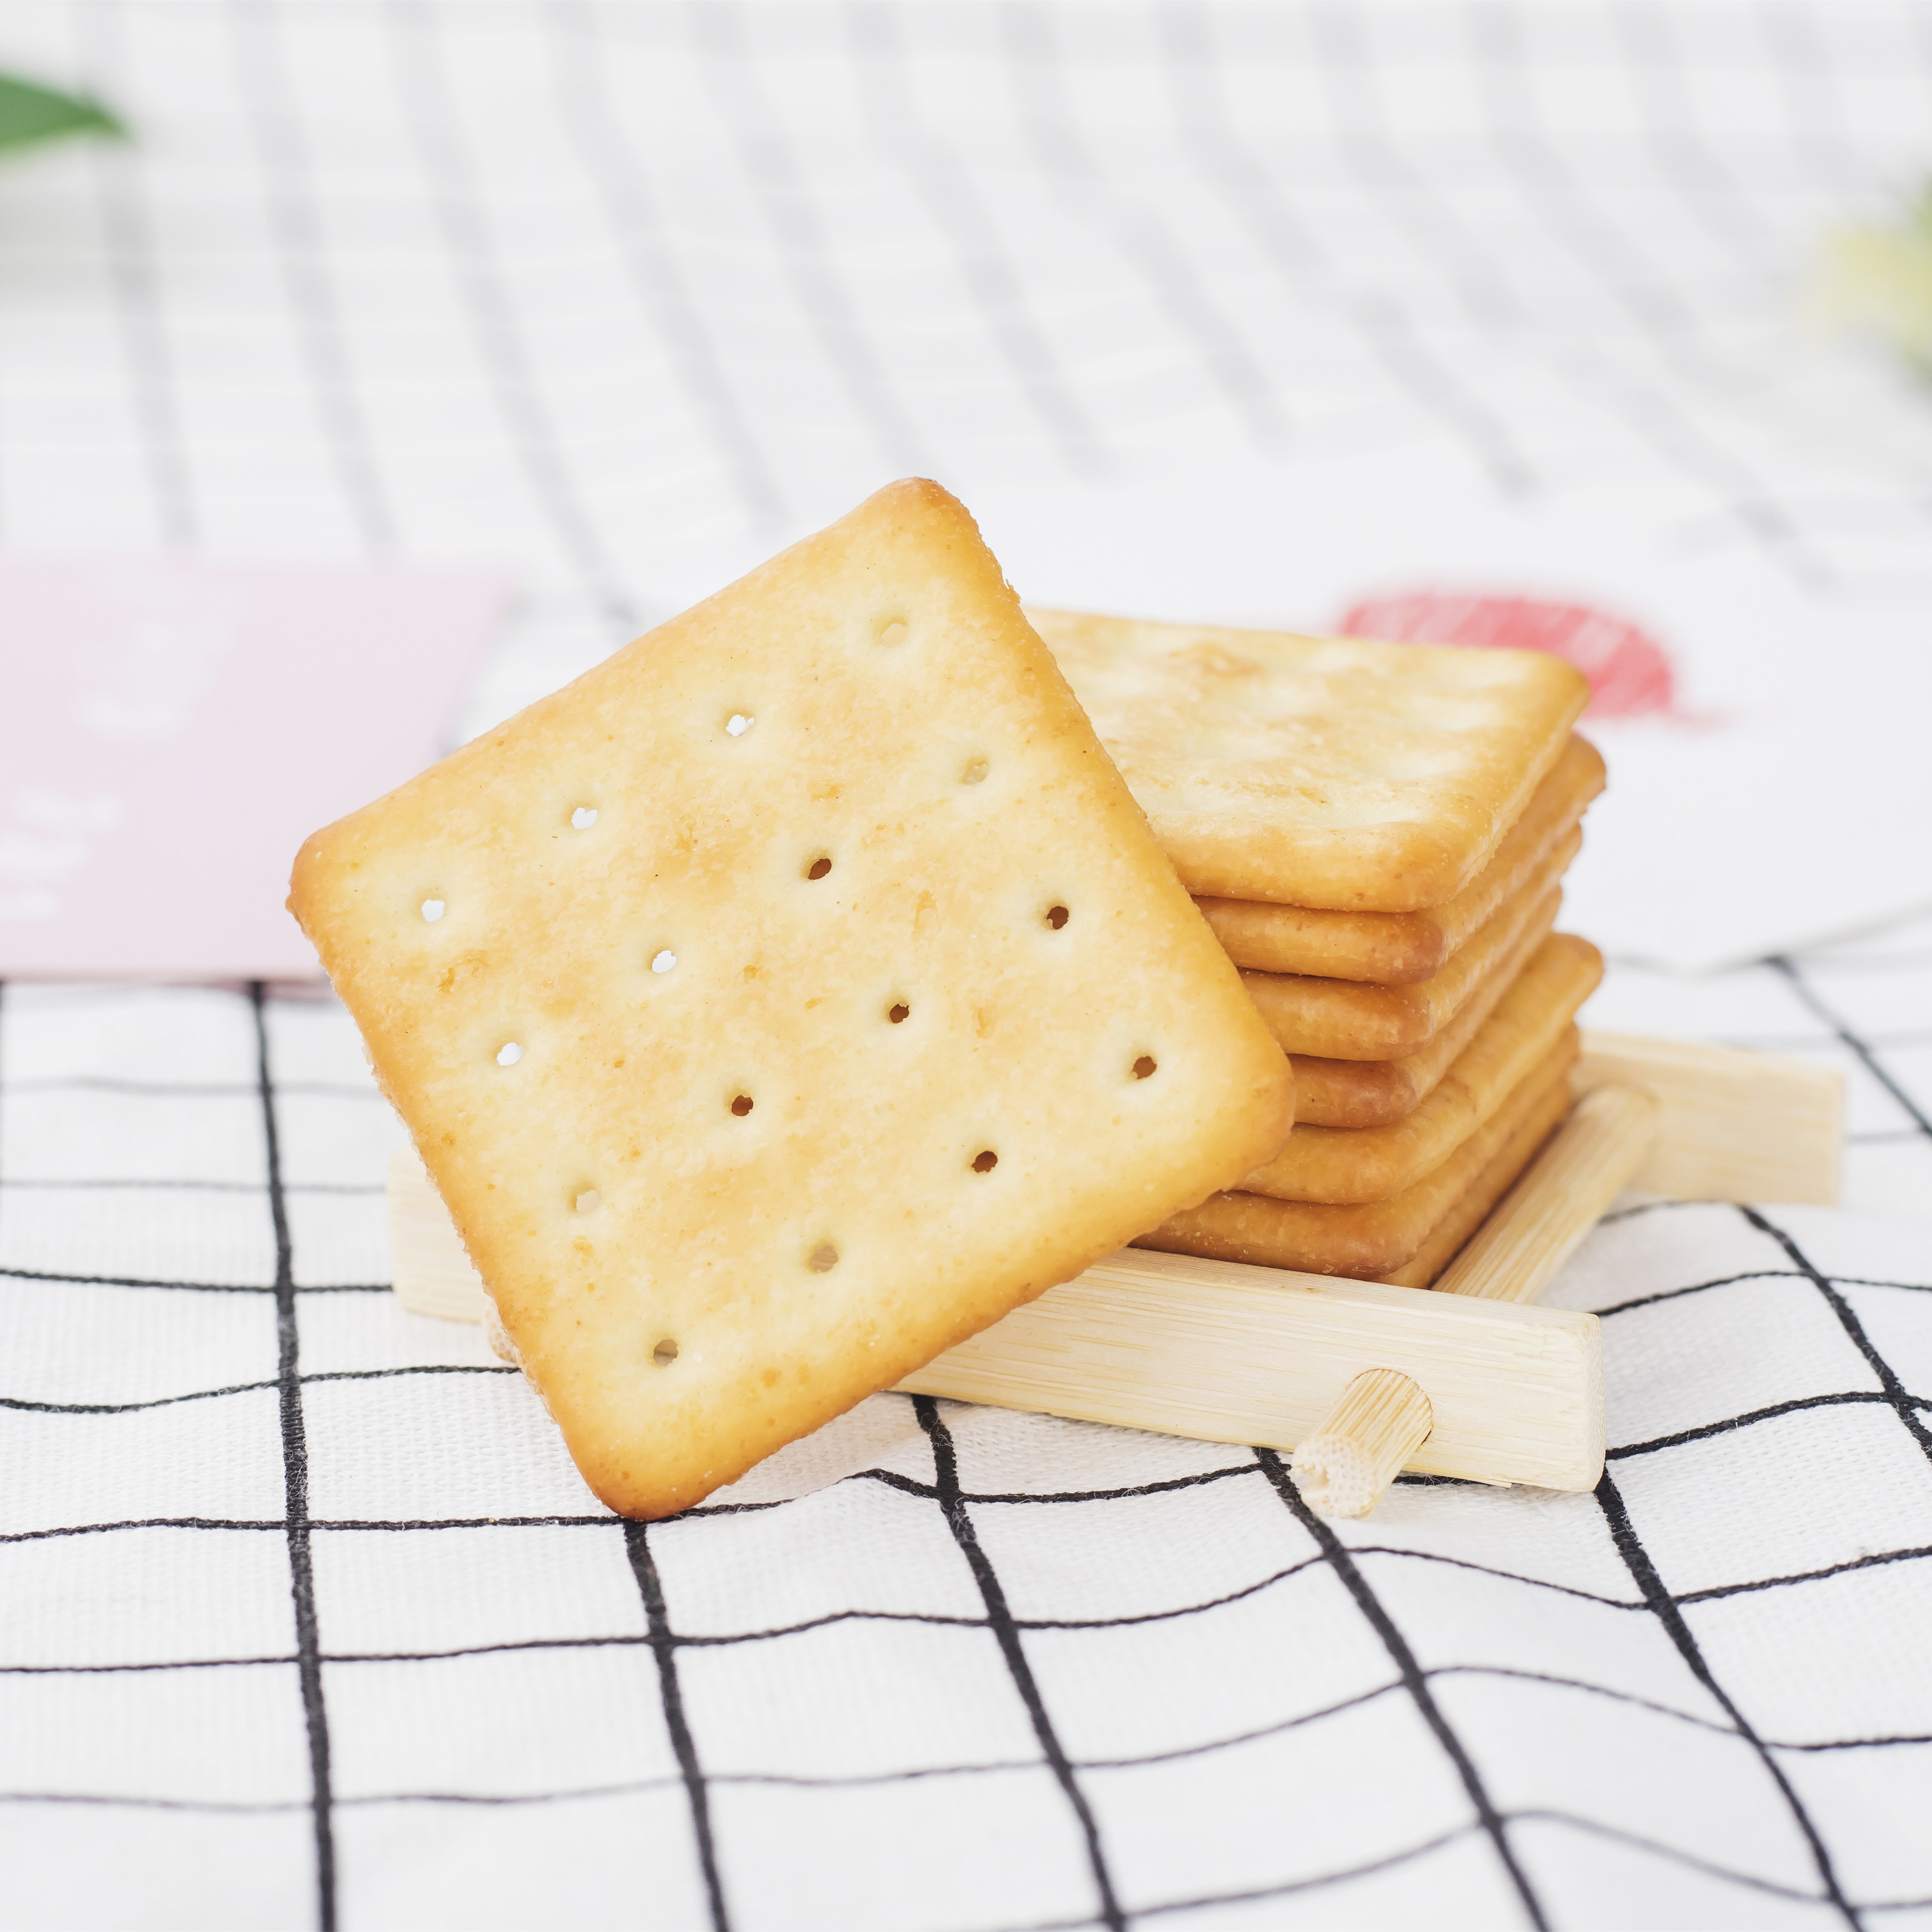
point(1326, 772)
point(1371, 1240)
point(1396, 949)
point(787, 999)
point(1342, 1164)
point(1337, 1019)
point(1379, 1093)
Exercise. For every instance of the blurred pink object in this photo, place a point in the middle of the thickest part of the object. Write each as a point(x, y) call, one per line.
point(171, 731)
point(1629, 670)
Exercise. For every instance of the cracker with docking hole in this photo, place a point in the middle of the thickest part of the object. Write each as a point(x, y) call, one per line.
point(1321, 772)
point(820, 1061)
point(1396, 949)
point(1384, 1239)
point(1356, 1164)
point(1379, 1093)
point(1342, 1019)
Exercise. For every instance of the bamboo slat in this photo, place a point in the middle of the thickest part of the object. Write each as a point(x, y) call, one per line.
point(1537, 1225)
point(1736, 1126)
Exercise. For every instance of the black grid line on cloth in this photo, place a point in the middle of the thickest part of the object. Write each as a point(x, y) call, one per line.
point(191, 1287)
point(1866, 1053)
point(664, 1651)
point(164, 1184)
point(1352, 78)
point(405, 1525)
point(1668, 433)
point(1801, 58)
point(985, 266)
point(1600, 243)
point(1191, 67)
point(1666, 1609)
point(191, 1090)
point(1682, 157)
point(579, 60)
point(1903, 1405)
point(789, 207)
point(1050, 116)
point(946, 1477)
point(1569, 213)
point(294, 1466)
point(413, 30)
point(913, 1774)
point(1259, 203)
point(921, 1773)
point(631, 1640)
point(274, 115)
point(1797, 1404)
point(133, 276)
point(1895, 1398)
point(1341, 1560)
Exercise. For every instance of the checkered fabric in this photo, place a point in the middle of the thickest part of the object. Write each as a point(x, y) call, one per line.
point(304, 1617)
point(307, 1612)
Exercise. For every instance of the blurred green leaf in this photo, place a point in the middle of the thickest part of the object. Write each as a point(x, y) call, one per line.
point(29, 114)
point(1880, 278)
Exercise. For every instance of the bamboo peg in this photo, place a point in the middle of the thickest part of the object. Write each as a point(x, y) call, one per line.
point(1360, 1447)
point(1383, 1417)
point(1537, 1226)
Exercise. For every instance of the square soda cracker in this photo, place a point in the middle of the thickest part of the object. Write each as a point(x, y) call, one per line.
point(1325, 772)
point(1356, 1164)
point(788, 998)
point(1343, 1019)
point(1397, 949)
point(1408, 1239)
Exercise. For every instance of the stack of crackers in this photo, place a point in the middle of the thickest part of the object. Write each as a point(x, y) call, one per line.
point(1377, 834)
point(804, 988)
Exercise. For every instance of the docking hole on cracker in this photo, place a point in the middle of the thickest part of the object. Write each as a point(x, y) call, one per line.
point(509, 1053)
point(974, 772)
point(432, 911)
point(824, 1258)
point(738, 724)
point(662, 962)
point(587, 1201)
point(899, 1011)
point(819, 867)
point(583, 817)
point(741, 1105)
point(665, 1353)
point(1146, 1067)
point(894, 630)
point(985, 1161)
point(1057, 917)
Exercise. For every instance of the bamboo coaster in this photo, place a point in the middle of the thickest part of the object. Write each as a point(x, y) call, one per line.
point(1480, 1384)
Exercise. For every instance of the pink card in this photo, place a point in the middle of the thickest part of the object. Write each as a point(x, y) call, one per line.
point(171, 731)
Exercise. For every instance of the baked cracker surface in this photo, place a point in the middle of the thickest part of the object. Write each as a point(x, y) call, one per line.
point(1332, 773)
point(788, 998)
